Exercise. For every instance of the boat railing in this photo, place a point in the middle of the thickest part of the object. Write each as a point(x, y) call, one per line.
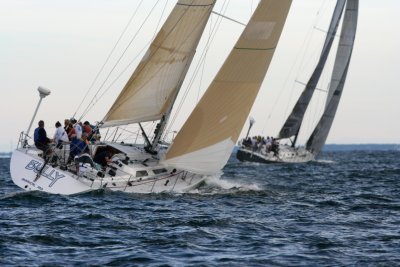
point(23, 140)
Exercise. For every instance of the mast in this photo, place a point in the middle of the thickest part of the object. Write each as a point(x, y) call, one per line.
point(164, 120)
point(293, 123)
point(207, 138)
point(339, 74)
point(251, 122)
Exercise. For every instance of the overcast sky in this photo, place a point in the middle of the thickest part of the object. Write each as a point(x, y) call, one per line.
point(62, 44)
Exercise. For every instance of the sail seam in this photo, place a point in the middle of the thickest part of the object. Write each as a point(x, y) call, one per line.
point(194, 5)
point(257, 49)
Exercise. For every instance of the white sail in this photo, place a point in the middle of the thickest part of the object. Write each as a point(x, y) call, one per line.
point(152, 88)
point(339, 73)
point(207, 138)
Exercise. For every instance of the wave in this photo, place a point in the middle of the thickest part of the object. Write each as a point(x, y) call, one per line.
point(16, 194)
point(219, 185)
point(325, 161)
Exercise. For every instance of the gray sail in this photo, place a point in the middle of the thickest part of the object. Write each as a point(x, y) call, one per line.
point(339, 73)
point(293, 122)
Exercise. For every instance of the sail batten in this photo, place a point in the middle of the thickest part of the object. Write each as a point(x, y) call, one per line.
point(207, 138)
point(255, 49)
point(293, 123)
point(151, 89)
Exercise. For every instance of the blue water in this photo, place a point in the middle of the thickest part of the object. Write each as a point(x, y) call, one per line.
point(342, 210)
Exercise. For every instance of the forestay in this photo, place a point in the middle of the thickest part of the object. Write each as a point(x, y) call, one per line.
point(207, 138)
point(342, 61)
point(153, 86)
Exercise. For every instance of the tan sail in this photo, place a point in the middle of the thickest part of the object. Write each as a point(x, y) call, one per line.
point(153, 85)
point(206, 140)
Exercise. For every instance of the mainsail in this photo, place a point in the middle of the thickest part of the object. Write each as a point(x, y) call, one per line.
point(207, 138)
point(339, 73)
point(293, 122)
point(153, 86)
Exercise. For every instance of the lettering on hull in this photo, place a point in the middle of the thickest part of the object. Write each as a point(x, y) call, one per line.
point(48, 172)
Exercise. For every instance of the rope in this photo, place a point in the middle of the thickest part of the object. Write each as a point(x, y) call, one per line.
point(139, 70)
point(134, 59)
point(95, 99)
point(299, 58)
point(108, 57)
point(150, 56)
point(196, 71)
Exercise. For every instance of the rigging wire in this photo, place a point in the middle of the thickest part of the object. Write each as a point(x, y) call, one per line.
point(108, 57)
point(131, 134)
point(134, 59)
point(171, 56)
point(117, 78)
point(95, 99)
point(301, 57)
point(154, 35)
point(315, 108)
point(228, 18)
point(204, 64)
point(196, 71)
point(318, 106)
point(201, 80)
point(166, 35)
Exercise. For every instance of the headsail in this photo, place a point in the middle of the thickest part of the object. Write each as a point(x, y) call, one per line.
point(343, 56)
point(293, 122)
point(152, 88)
point(207, 138)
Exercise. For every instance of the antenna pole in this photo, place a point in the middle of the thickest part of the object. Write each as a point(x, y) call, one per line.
point(43, 92)
point(251, 120)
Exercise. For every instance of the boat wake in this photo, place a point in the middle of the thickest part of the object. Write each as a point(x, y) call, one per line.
point(326, 161)
point(217, 185)
point(22, 195)
point(15, 194)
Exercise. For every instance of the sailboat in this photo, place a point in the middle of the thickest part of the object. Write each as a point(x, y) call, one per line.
point(291, 128)
point(203, 145)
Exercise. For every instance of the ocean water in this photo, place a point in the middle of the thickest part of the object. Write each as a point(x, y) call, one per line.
point(341, 210)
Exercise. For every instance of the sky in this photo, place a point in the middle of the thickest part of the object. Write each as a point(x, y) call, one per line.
point(62, 45)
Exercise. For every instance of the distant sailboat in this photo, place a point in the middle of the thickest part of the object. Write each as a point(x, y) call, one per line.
point(203, 145)
point(291, 128)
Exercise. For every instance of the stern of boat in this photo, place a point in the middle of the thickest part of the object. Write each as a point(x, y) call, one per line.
point(29, 173)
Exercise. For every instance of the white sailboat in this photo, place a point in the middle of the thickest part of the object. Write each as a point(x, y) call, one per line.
point(203, 145)
point(291, 128)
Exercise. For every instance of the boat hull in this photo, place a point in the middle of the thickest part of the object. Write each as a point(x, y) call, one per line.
point(247, 155)
point(28, 173)
point(25, 167)
point(286, 155)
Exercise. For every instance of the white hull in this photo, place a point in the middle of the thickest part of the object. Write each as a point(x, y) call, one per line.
point(26, 164)
point(286, 154)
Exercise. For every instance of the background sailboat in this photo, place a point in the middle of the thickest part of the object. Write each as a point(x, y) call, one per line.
point(291, 128)
point(203, 145)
